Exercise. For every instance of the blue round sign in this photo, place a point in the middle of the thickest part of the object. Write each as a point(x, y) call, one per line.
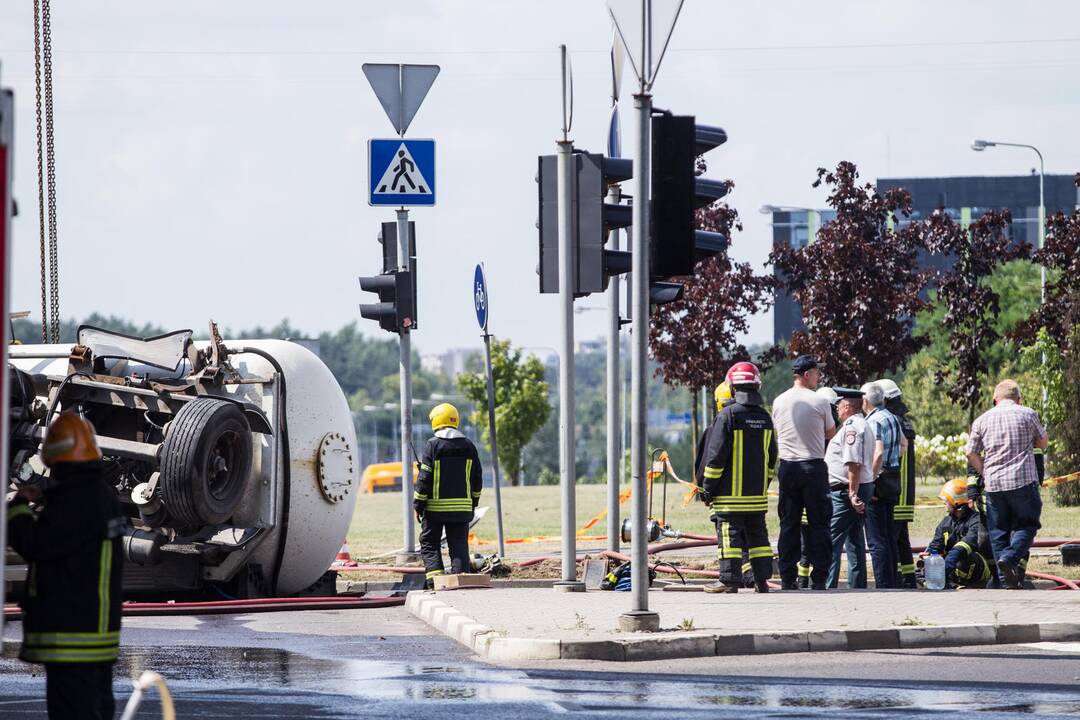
point(480, 297)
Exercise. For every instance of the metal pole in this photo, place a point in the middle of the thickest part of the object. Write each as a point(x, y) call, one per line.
point(639, 618)
point(408, 552)
point(494, 445)
point(1042, 230)
point(567, 454)
point(1042, 265)
point(614, 381)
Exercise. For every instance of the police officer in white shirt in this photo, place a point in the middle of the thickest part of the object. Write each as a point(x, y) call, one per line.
point(850, 457)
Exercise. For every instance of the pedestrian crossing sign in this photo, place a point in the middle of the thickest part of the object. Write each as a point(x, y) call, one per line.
point(401, 172)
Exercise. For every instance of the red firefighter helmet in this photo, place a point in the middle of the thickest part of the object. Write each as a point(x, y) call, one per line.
point(743, 373)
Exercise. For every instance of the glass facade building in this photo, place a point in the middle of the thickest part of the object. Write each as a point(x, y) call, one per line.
point(963, 198)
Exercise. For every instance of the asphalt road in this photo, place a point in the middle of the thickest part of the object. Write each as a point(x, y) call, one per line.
point(384, 663)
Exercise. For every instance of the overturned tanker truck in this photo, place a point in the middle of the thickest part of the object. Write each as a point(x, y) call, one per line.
point(235, 461)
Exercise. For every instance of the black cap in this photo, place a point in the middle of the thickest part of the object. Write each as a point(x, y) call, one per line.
point(804, 363)
point(843, 392)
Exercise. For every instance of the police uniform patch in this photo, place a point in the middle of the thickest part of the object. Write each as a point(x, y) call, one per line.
point(849, 437)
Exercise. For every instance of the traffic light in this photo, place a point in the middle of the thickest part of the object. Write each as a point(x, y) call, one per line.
point(677, 192)
point(593, 219)
point(394, 311)
point(389, 240)
point(596, 218)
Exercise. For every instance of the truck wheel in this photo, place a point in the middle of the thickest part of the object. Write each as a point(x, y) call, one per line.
point(205, 462)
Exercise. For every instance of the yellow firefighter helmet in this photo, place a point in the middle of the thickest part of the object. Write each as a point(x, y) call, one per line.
point(444, 415)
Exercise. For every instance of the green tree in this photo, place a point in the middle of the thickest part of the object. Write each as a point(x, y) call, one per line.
point(1016, 285)
point(521, 402)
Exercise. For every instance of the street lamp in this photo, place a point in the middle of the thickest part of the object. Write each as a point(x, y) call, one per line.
point(979, 146)
point(770, 209)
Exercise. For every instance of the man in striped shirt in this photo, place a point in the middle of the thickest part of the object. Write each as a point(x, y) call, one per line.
point(1001, 448)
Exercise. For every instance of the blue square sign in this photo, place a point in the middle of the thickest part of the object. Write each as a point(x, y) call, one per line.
point(401, 172)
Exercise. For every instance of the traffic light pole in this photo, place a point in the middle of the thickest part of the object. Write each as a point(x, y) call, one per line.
point(639, 617)
point(614, 402)
point(408, 552)
point(567, 455)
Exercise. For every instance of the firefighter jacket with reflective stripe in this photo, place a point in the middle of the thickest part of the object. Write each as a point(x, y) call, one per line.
point(740, 457)
point(71, 611)
point(450, 478)
point(698, 457)
point(958, 538)
point(904, 511)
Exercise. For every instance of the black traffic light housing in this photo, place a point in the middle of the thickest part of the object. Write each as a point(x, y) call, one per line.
point(592, 217)
point(677, 192)
point(389, 240)
point(394, 311)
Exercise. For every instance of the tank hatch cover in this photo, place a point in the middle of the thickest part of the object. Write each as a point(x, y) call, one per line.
point(337, 471)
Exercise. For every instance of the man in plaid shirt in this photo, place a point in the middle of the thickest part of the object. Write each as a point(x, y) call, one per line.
point(1001, 448)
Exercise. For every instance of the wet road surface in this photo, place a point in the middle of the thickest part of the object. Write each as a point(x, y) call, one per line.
point(384, 663)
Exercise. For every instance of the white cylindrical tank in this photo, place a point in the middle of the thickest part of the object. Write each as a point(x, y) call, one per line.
point(322, 478)
point(310, 500)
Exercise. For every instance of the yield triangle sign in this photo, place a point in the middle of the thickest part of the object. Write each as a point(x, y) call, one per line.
point(402, 172)
point(401, 89)
point(644, 27)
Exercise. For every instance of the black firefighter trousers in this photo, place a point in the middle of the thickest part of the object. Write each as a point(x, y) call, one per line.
point(79, 691)
point(457, 541)
point(804, 485)
point(737, 533)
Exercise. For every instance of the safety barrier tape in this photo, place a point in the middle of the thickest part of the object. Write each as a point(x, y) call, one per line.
point(1061, 479)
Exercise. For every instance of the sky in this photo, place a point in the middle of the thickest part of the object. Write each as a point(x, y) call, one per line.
point(211, 157)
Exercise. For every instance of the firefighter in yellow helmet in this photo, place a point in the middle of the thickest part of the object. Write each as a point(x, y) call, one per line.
point(447, 491)
point(962, 539)
point(723, 396)
point(72, 543)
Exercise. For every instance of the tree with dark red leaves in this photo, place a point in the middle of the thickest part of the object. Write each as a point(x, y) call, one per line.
point(695, 340)
point(857, 282)
point(970, 303)
point(1060, 252)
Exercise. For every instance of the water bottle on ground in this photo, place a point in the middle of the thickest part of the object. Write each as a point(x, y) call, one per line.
point(934, 567)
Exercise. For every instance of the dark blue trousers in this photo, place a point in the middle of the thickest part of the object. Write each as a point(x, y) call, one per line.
point(1012, 517)
point(879, 536)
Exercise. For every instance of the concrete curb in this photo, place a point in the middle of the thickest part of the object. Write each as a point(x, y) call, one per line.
point(662, 646)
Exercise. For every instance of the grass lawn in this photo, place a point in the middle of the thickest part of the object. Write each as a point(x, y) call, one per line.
point(533, 511)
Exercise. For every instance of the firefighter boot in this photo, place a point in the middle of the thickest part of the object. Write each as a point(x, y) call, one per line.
point(720, 587)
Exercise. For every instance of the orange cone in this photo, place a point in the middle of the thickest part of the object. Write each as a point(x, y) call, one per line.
point(342, 557)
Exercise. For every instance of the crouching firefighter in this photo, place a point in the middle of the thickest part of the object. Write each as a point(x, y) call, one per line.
point(962, 539)
point(71, 612)
point(739, 460)
point(447, 491)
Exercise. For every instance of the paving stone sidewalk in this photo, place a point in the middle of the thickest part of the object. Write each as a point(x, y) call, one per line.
point(539, 623)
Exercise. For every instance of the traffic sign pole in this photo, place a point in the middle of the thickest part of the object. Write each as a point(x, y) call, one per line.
point(494, 445)
point(567, 451)
point(483, 306)
point(408, 552)
point(639, 292)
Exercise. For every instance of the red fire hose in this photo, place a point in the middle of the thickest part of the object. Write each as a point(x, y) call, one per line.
point(692, 540)
point(221, 607)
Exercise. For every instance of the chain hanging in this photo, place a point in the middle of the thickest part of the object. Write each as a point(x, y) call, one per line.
point(46, 168)
point(41, 176)
point(50, 159)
